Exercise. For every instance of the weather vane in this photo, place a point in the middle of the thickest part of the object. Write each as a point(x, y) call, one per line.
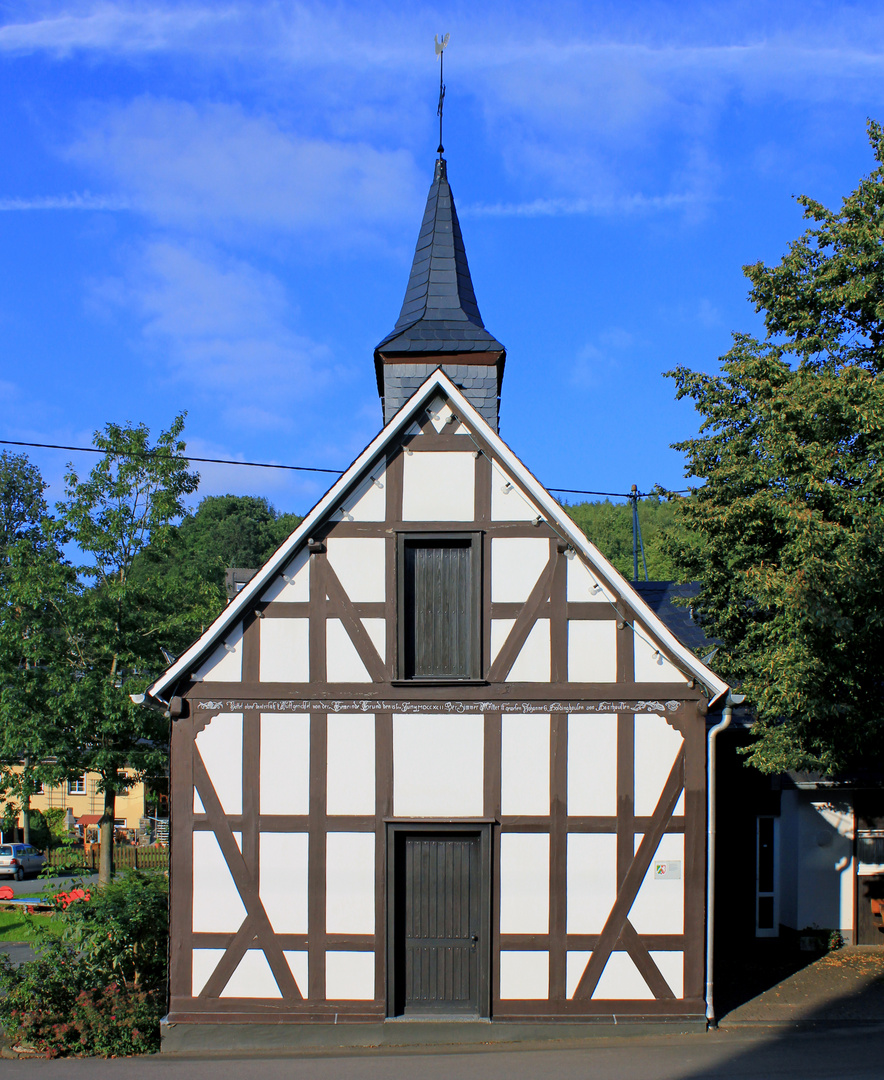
point(440, 47)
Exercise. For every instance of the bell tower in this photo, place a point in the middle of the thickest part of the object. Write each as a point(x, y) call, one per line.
point(439, 324)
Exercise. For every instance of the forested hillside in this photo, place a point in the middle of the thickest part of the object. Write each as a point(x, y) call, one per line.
point(609, 526)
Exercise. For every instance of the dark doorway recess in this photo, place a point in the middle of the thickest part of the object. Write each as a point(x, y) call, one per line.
point(439, 920)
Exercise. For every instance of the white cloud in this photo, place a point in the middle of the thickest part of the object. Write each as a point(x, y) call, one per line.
point(223, 326)
point(111, 27)
point(76, 201)
point(599, 359)
point(583, 106)
point(217, 168)
point(595, 207)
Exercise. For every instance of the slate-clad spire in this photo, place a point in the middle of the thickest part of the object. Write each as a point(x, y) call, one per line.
point(440, 322)
point(440, 313)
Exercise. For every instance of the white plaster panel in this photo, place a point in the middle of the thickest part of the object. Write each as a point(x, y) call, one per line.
point(592, 650)
point(818, 855)
point(285, 763)
point(575, 965)
point(350, 883)
point(351, 764)
point(283, 883)
point(217, 907)
point(369, 500)
point(516, 564)
point(439, 412)
point(220, 746)
point(297, 962)
point(293, 584)
point(656, 748)
point(671, 965)
point(621, 981)
point(592, 765)
point(438, 765)
point(524, 883)
point(204, 963)
point(252, 978)
point(359, 562)
point(377, 631)
point(659, 906)
point(349, 976)
point(652, 666)
point(838, 845)
point(285, 650)
point(343, 663)
point(583, 585)
point(592, 881)
point(500, 631)
point(524, 974)
point(532, 663)
point(524, 764)
point(508, 501)
point(224, 664)
point(438, 486)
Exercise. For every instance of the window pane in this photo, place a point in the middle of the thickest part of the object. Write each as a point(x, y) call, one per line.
point(438, 610)
point(870, 849)
point(765, 854)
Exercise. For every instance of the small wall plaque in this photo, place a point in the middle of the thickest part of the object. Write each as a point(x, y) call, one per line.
point(668, 871)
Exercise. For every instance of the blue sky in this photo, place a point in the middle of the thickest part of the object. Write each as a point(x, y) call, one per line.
point(213, 207)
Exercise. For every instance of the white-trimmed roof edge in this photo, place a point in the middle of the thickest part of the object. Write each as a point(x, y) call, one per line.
point(437, 381)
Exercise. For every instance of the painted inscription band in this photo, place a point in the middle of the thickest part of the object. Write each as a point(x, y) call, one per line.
point(438, 707)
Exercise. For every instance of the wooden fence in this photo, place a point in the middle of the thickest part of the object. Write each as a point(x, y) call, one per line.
point(126, 857)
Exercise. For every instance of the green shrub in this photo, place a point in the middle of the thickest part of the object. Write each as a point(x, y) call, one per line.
point(100, 989)
point(41, 837)
point(57, 824)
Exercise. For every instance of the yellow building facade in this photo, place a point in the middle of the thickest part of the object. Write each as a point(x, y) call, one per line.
point(84, 799)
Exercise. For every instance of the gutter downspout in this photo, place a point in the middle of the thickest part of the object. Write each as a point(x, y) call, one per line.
point(727, 716)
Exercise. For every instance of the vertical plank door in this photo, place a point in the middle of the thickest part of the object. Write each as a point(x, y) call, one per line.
point(440, 924)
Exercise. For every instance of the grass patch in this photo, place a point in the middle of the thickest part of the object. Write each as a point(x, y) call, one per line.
point(19, 926)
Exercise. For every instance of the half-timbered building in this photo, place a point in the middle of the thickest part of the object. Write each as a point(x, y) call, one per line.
point(437, 759)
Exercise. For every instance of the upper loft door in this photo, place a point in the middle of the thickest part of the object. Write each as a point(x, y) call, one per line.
point(438, 925)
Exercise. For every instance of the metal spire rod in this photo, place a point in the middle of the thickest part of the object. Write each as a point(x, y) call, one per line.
point(440, 47)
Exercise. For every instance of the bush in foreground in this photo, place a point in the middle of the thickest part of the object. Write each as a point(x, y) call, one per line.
point(100, 989)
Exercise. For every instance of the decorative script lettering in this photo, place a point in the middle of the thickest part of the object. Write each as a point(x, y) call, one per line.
point(302, 705)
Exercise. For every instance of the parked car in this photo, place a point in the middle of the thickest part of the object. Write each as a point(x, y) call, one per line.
point(16, 860)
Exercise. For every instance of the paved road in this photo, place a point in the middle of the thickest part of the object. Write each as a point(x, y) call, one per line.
point(857, 1054)
point(35, 886)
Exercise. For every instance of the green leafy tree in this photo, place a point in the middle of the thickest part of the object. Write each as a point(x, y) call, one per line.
point(786, 530)
point(128, 502)
point(36, 583)
point(224, 531)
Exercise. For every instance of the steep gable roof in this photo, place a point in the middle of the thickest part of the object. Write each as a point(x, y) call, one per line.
point(439, 313)
point(359, 472)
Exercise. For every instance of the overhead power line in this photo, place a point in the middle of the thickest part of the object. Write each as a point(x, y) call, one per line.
point(291, 468)
point(181, 457)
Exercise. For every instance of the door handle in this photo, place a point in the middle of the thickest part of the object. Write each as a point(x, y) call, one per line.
point(474, 938)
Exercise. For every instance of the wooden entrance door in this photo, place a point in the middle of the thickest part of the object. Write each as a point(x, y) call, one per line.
point(438, 924)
